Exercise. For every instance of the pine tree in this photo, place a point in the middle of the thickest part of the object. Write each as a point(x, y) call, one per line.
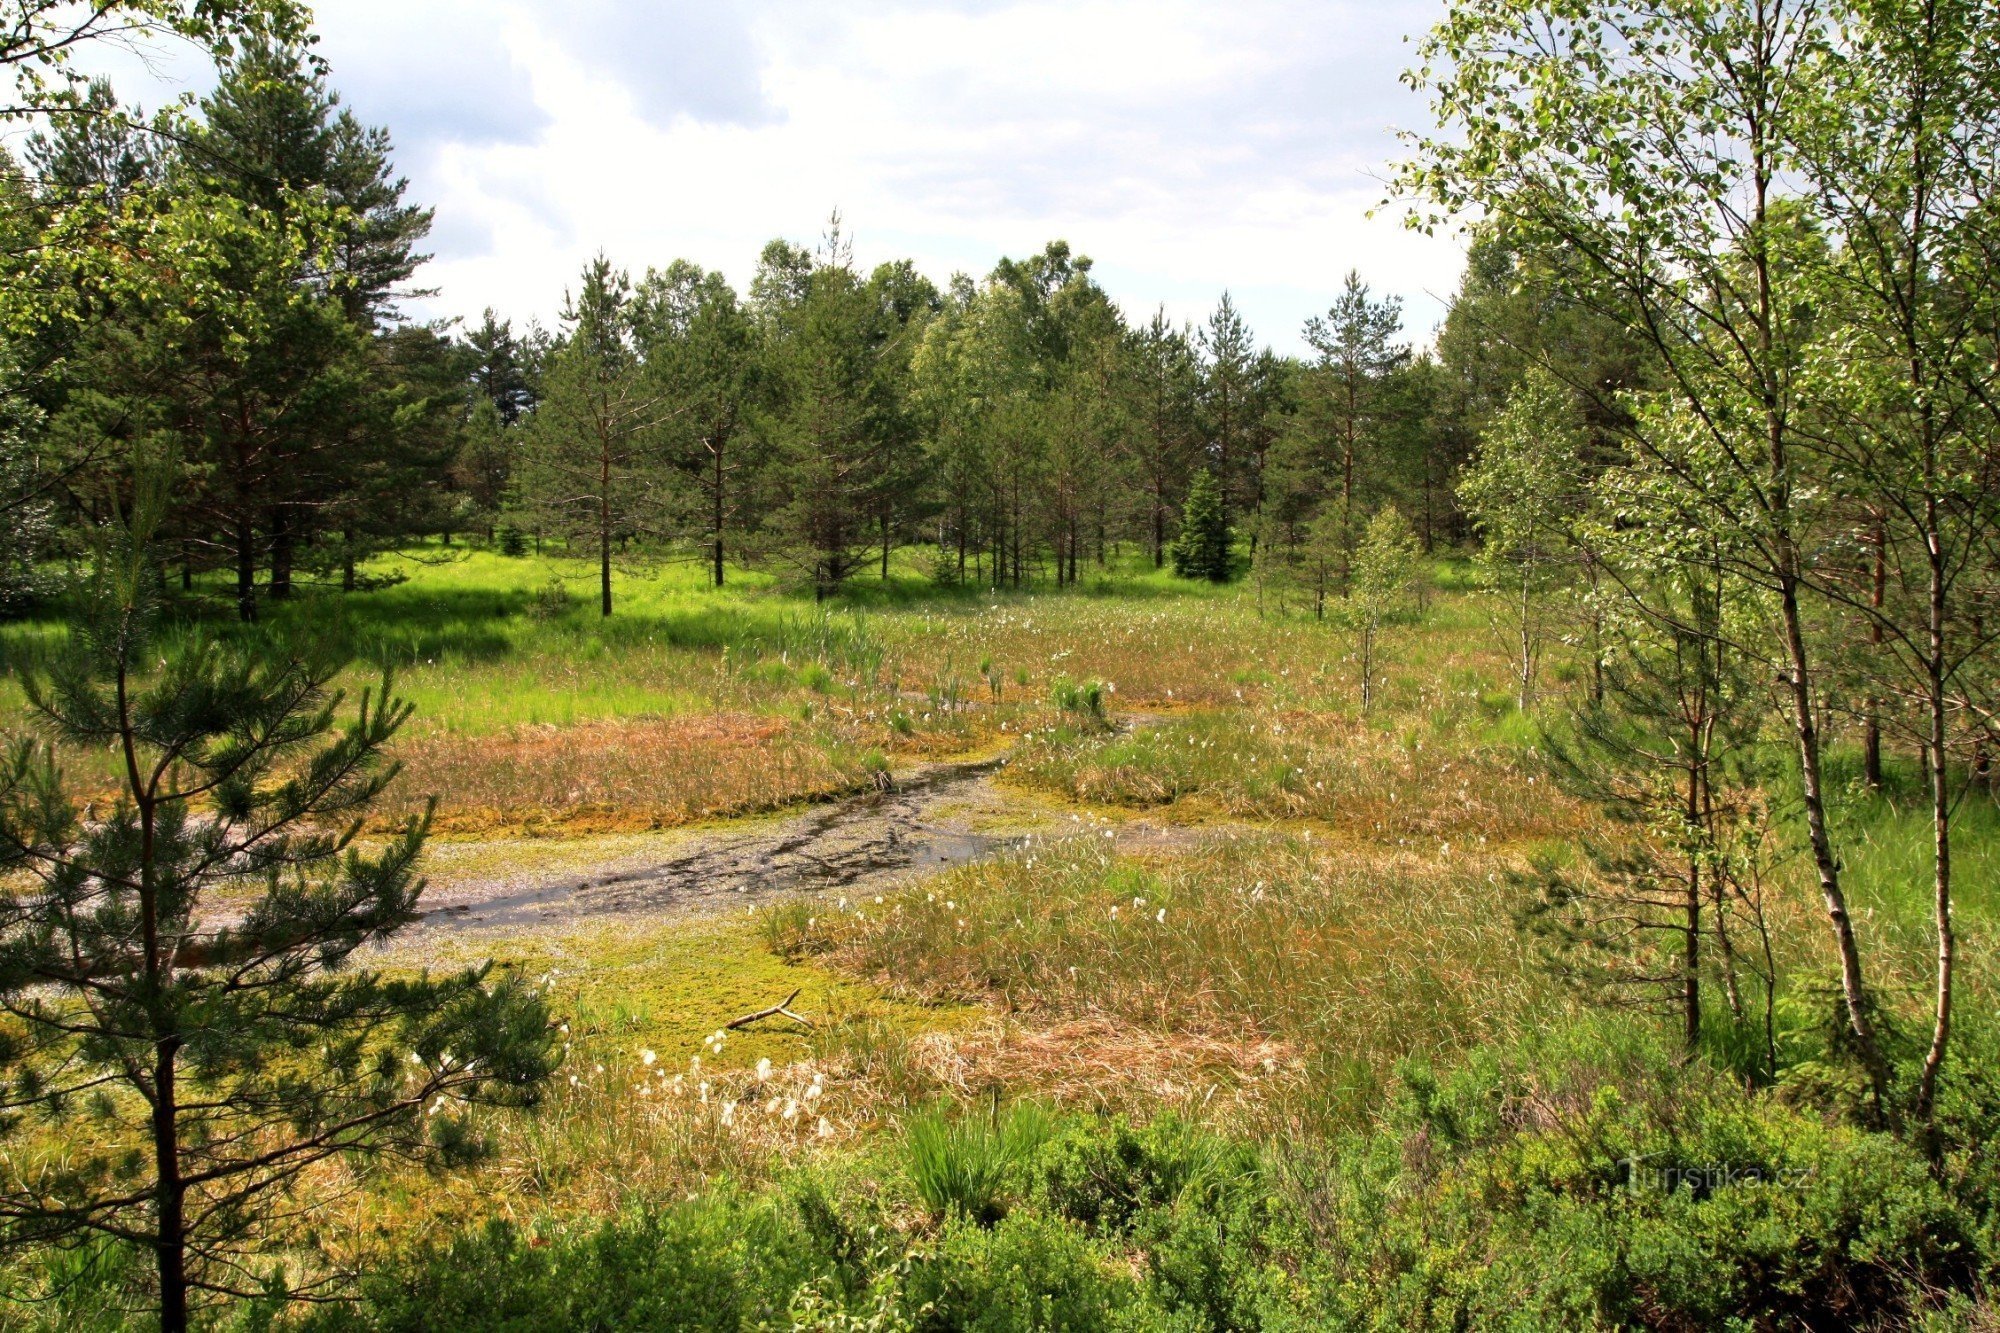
point(276, 133)
point(700, 348)
point(1357, 355)
point(1228, 375)
point(1201, 551)
point(594, 467)
point(1164, 386)
point(191, 1061)
point(502, 367)
point(834, 362)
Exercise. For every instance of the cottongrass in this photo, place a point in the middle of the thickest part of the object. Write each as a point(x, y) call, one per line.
point(1303, 765)
point(613, 1131)
point(1298, 957)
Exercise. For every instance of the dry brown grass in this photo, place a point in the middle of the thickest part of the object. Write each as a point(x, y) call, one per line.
point(623, 776)
point(1300, 764)
point(1100, 1062)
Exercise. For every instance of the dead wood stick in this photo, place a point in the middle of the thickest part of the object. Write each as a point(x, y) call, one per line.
point(782, 1007)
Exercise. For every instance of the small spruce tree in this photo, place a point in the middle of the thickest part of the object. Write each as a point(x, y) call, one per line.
point(1201, 551)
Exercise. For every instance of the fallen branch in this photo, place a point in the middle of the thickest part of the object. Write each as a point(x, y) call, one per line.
point(782, 1007)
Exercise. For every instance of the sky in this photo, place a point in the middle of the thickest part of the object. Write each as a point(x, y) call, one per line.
point(1187, 148)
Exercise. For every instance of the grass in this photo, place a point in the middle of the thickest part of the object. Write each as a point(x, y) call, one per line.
point(1325, 966)
point(1432, 781)
point(970, 1165)
point(657, 1095)
point(535, 714)
point(1321, 908)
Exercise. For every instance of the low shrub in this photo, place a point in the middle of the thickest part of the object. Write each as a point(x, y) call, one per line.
point(1029, 1272)
point(1103, 1175)
point(1083, 700)
point(1526, 1189)
point(1577, 1178)
point(720, 1261)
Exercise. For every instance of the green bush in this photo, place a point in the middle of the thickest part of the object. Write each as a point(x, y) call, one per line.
point(1201, 550)
point(718, 1262)
point(1103, 1175)
point(1580, 1178)
point(1529, 1190)
point(1030, 1272)
point(552, 601)
point(1081, 699)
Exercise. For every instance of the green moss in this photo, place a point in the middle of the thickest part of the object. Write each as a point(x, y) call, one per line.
point(666, 986)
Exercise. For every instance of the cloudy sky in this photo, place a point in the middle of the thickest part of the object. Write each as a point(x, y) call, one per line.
point(1186, 147)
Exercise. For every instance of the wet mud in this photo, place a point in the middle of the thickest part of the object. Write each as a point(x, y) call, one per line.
point(926, 821)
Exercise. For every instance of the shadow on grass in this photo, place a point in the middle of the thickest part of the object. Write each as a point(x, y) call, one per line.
point(476, 607)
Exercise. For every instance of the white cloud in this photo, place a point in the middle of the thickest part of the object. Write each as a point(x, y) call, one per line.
point(1187, 147)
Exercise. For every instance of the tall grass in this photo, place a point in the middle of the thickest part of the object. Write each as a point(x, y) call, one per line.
point(1336, 965)
point(1273, 763)
point(973, 1164)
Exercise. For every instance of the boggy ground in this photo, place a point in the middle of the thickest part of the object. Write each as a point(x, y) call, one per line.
point(980, 787)
point(907, 824)
point(1219, 891)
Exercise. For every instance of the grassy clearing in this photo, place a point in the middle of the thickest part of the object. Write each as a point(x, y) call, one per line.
point(620, 775)
point(1292, 1066)
point(534, 714)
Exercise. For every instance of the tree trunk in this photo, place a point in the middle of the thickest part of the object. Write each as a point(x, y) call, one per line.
point(1805, 726)
point(1015, 522)
point(169, 1191)
point(604, 528)
point(1826, 864)
point(170, 1194)
point(1871, 736)
point(1427, 536)
point(246, 570)
point(1597, 632)
point(720, 510)
point(1936, 664)
point(1527, 665)
point(1347, 491)
point(1691, 947)
point(1367, 665)
point(1982, 757)
point(281, 553)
